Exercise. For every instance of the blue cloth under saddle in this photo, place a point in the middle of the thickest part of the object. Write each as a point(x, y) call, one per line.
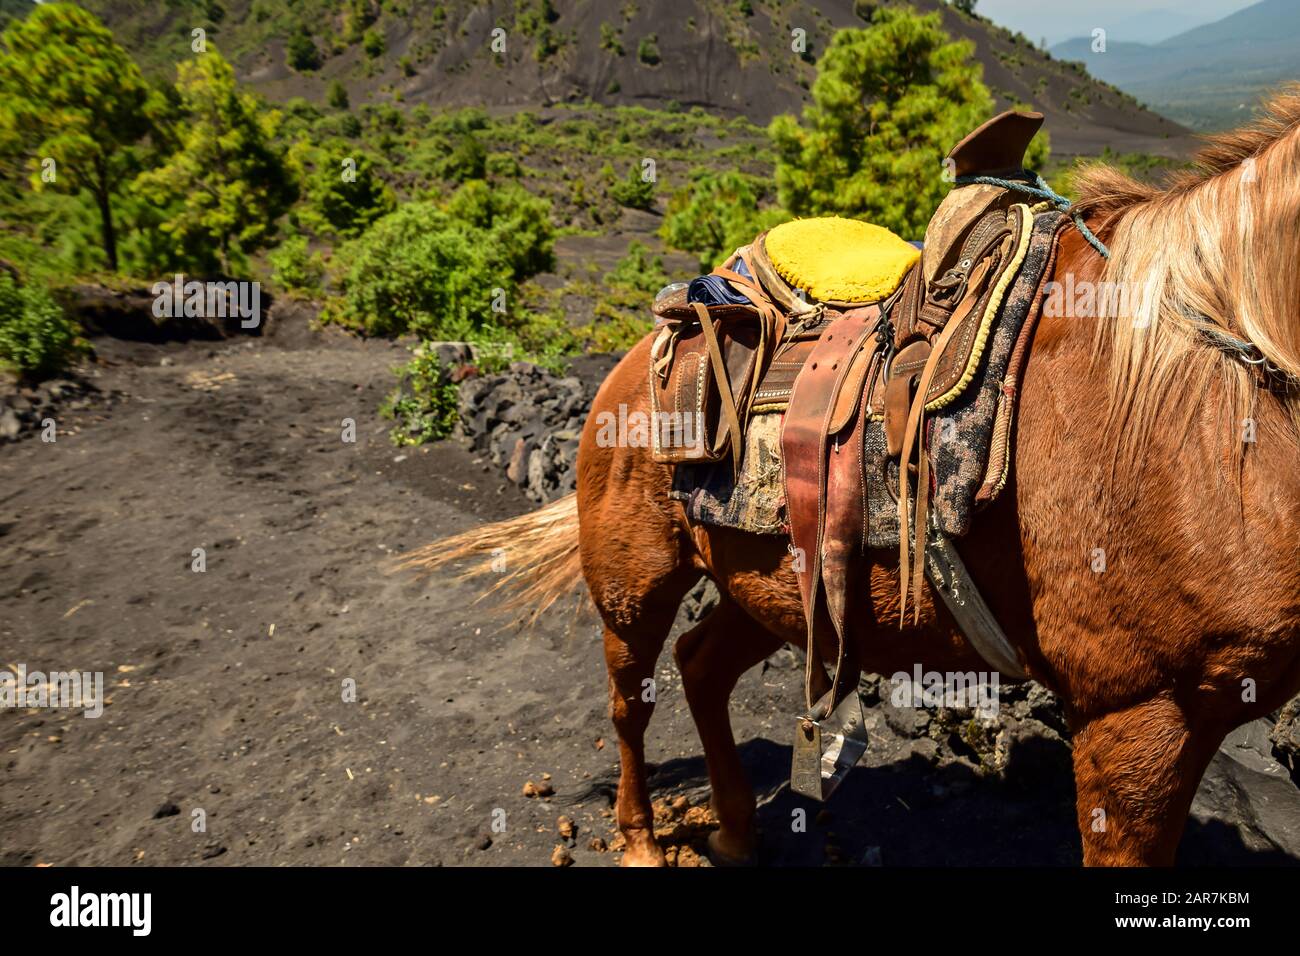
point(715, 290)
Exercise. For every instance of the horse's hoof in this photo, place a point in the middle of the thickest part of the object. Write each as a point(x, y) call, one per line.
point(720, 857)
point(642, 856)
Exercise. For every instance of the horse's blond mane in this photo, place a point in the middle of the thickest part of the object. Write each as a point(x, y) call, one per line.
point(1220, 244)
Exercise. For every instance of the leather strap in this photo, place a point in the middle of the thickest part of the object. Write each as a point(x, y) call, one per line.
point(804, 442)
point(774, 320)
point(910, 575)
point(723, 383)
point(771, 330)
point(908, 364)
point(846, 501)
point(850, 395)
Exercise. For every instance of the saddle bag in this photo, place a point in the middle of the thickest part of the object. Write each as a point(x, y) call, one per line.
point(706, 365)
point(696, 355)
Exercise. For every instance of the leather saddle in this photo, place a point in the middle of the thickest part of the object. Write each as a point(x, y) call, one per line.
point(838, 367)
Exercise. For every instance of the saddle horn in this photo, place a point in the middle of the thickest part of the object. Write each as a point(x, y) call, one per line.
point(996, 147)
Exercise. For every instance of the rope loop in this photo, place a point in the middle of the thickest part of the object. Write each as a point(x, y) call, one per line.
point(1040, 189)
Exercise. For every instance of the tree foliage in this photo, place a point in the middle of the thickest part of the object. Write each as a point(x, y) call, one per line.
point(11, 10)
point(228, 182)
point(889, 102)
point(344, 193)
point(717, 213)
point(71, 103)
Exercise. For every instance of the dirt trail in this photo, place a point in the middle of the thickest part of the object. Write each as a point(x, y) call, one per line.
point(226, 687)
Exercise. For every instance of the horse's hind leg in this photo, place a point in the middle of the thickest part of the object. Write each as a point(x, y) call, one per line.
point(638, 602)
point(1136, 772)
point(631, 652)
point(712, 656)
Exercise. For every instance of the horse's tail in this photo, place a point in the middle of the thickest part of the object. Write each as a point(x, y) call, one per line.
point(534, 557)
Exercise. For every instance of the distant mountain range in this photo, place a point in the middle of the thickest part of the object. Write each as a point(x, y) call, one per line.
point(1152, 26)
point(1209, 77)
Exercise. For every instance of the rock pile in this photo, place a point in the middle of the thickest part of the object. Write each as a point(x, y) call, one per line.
point(527, 420)
point(1285, 737)
point(23, 409)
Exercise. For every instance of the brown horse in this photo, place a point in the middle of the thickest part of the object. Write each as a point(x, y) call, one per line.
point(1145, 561)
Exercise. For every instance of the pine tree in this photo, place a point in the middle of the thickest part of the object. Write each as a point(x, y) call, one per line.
point(228, 182)
point(72, 102)
point(889, 101)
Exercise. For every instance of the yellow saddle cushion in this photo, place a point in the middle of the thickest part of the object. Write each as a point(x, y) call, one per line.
point(842, 260)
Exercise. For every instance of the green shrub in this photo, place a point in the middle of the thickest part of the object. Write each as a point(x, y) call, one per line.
point(535, 20)
point(503, 166)
point(425, 402)
point(647, 50)
point(450, 271)
point(466, 161)
point(386, 117)
point(419, 270)
point(634, 191)
point(615, 330)
point(298, 116)
point(716, 213)
point(611, 40)
point(357, 15)
point(346, 125)
point(432, 272)
point(302, 53)
point(337, 96)
point(638, 270)
point(514, 222)
point(373, 43)
point(37, 340)
point(294, 267)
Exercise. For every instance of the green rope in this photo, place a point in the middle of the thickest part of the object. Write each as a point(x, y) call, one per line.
point(1044, 192)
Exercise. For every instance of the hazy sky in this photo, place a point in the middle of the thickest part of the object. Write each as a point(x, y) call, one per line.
point(1059, 20)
